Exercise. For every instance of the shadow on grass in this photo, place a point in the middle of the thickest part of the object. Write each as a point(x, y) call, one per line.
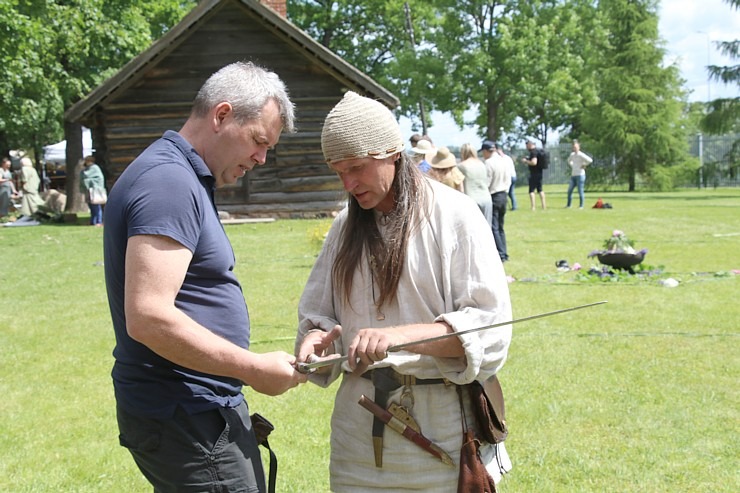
point(671, 196)
point(61, 219)
point(692, 194)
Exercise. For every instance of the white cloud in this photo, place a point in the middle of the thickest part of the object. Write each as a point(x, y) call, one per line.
point(444, 132)
point(690, 28)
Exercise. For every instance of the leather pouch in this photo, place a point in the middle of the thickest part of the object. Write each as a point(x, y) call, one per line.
point(262, 428)
point(487, 400)
point(473, 476)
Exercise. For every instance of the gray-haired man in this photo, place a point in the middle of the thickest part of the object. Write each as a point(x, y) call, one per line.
point(181, 323)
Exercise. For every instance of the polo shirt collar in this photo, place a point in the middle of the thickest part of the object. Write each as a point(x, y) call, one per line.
point(199, 166)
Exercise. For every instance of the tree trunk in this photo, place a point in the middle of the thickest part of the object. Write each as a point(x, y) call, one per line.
point(4, 145)
point(492, 108)
point(73, 155)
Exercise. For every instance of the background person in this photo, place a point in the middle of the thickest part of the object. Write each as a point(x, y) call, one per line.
point(444, 169)
point(500, 183)
point(488, 150)
point(91, 178)
point(29, 181)
point(512, 170)
point(578, 160)
point(181, 323)
point(406, 260)
point(7, 187)
point(422, 151)
point(535, 175)
point(415, 138)
point(476, 180)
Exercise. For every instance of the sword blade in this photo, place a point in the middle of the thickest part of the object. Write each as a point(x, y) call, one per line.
point(308, 367)
point(398, 347)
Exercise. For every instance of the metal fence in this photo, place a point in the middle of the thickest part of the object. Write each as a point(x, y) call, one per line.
point(719, 165)
point(718, 155)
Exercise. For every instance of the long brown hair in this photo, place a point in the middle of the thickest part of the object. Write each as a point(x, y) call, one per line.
point(361, 238)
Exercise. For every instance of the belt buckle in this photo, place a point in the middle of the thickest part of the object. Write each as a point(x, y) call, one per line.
point(407, 398)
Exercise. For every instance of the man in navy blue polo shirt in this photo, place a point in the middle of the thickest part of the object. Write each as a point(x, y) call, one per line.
point(181, 322)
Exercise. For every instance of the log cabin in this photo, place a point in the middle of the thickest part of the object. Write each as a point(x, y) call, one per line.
point(155, 90)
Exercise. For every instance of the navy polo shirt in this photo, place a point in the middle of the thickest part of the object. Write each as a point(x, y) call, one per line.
point(168, 190)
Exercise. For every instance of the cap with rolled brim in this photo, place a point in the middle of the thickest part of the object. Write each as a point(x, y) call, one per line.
point(488, 145)
point(359, 127)
point(443, 159)
point(424, 147)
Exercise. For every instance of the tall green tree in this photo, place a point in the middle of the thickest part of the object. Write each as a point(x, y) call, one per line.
point(517, 65)
point(724, 113)
point(473, 49)
point(55, 52)
point(521, 66)
point(373, 35)
point(358, 31)
point(30, 103)
point(563, 77)
point(638, 115)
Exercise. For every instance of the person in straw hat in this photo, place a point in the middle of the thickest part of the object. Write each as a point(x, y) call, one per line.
point(406, 260)
point(421, 152)
point(444, 169)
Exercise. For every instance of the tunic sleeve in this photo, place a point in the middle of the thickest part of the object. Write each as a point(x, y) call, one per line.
point(476, 294)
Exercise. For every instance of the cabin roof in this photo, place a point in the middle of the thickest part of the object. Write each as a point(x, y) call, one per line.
point(313, 51)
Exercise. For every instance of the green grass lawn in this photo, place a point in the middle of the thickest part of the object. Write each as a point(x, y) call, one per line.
point(637, 395)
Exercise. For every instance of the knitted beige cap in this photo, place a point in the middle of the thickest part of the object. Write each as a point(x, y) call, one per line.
point(360, 127)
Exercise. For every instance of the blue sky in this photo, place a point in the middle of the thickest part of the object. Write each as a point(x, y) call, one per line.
point(688, 28)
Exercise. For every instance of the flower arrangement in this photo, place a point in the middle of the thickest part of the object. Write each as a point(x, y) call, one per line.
point(618, 241)
point(619, 252)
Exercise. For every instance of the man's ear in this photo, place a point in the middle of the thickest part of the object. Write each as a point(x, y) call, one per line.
point(220, 113)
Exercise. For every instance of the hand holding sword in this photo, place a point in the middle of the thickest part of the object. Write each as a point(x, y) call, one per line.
point(316, 347)
point(309, 367)
point(370, 345)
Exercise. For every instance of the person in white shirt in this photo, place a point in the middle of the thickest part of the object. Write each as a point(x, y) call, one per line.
point(496, 165)
point(512, 170)
point(500, 183)
point(578, 160)
point(407, 259)
point(488, 150)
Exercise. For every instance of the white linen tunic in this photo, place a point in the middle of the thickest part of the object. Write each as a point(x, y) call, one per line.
point(452, 273)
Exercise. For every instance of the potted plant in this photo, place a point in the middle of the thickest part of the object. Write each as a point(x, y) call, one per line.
point(619, 252)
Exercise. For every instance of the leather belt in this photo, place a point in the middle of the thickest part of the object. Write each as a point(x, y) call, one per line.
point(386, 380)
